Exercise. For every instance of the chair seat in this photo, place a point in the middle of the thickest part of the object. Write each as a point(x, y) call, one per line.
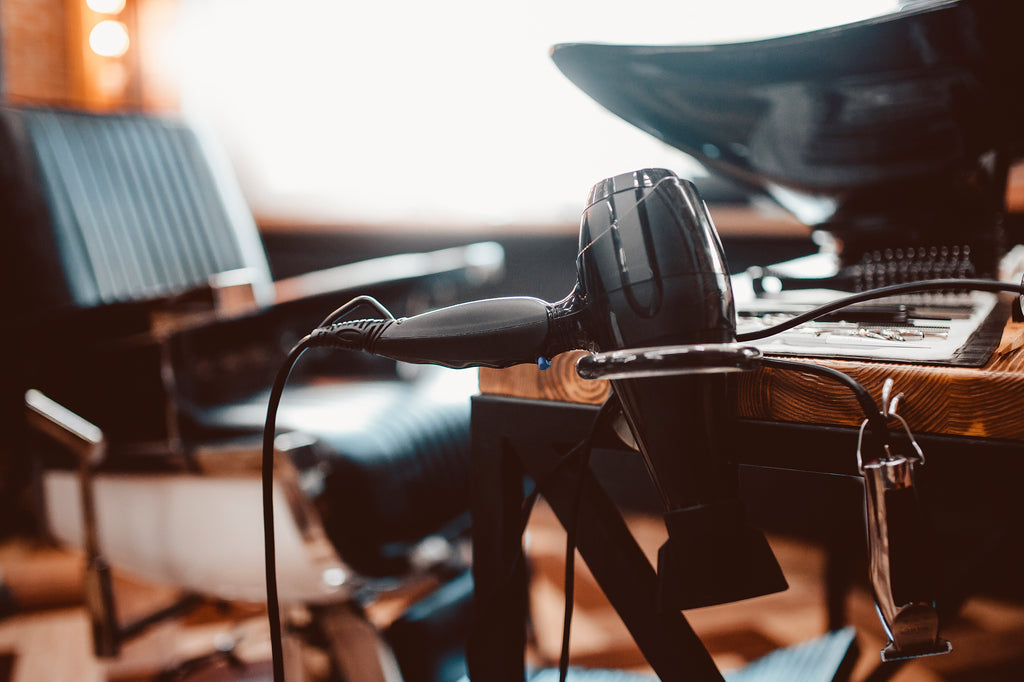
point(396, 457)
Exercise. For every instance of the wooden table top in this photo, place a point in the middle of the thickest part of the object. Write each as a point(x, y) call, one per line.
point(983, 402)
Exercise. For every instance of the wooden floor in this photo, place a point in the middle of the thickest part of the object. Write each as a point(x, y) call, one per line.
point(988, 637)
point(48, 639)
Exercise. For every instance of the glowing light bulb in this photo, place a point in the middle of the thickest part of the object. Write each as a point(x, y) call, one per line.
point(109, 38)
point(106, 6)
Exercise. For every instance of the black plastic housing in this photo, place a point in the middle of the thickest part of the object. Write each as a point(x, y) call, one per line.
point(652, 272)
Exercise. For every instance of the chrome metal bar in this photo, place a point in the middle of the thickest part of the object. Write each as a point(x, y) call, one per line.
point(87, 442)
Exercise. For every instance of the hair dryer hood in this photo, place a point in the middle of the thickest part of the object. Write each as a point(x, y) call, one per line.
point(833, 124)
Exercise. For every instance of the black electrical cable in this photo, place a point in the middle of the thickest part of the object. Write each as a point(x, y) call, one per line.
point(907, 288)
point(352, 305)
point(875, 418)
point(267, 474)
point(611, 404)
point(570, 566)
point(267, 471)
point(863, 396)
point(529, 502)
point(867, 404)
point(583, 447)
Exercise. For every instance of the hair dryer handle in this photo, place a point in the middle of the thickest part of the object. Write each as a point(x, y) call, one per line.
point(496, 332)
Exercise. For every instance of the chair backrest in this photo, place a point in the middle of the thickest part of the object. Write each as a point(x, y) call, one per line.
point(106, 219)
point(110, 209)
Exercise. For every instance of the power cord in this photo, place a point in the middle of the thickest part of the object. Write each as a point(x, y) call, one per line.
point(267, 473)
point(867, 404)
point(882, 292)
point(570, 565)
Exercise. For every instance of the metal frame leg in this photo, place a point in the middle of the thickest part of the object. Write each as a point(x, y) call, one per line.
point(511, 437)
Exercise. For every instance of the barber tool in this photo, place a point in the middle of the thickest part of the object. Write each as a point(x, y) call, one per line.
point(899, 545)
point(651, 271)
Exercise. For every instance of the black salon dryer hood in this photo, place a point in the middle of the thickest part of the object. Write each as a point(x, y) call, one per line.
point(837, 125)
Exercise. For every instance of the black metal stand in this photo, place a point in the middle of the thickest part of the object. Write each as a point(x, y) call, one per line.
point(798, 478)
point(604, 541)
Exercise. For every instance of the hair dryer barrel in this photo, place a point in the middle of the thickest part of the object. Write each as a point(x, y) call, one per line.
point(653, 272)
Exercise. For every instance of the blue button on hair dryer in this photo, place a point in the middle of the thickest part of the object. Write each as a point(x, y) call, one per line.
point(651, 272)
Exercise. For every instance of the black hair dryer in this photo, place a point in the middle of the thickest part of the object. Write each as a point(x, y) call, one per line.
point(651, 273)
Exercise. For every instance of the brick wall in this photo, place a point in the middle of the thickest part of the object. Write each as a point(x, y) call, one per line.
point(46, 58)
point(35, 51)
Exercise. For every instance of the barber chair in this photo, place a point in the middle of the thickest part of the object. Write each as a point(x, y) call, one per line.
point(142, 320)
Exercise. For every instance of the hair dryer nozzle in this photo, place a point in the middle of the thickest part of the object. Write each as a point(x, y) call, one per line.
point(713, 556)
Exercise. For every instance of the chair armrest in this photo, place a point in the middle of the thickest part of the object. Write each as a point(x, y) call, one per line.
point(475, 263)
point(79, 435)
point(230, 295)
point(230, 355)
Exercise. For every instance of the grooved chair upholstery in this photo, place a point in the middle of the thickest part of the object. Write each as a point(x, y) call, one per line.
point(139, 297)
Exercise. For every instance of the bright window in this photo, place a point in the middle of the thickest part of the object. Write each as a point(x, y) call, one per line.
point(435, 112)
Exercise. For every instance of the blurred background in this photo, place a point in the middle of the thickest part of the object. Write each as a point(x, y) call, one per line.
point(359, 130)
